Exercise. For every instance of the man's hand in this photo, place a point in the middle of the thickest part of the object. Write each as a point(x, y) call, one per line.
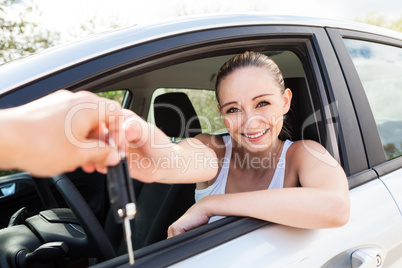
point(59, 133)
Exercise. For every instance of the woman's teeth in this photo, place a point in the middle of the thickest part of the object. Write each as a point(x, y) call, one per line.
point(256, 135)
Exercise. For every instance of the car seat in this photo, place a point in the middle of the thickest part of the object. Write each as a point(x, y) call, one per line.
point(300, 110)
point(175, 115)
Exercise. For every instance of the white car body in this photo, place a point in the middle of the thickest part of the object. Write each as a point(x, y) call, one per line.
point(186, 53)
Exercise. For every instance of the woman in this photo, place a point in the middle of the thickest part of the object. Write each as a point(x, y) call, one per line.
point(251, 172)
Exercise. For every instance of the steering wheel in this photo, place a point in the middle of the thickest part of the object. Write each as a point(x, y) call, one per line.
point(94, 231)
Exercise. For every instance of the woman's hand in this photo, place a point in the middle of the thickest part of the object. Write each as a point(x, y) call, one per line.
point(58, 133)
point(195, 216)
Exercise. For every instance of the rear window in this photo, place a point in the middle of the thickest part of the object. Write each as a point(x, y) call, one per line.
point(380, 70)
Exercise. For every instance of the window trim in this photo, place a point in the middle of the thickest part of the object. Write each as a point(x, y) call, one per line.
point(176, 249)
point(335, 86)
point(389, 166)
point(143, 56)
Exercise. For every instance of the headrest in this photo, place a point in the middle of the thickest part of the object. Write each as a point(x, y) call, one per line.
point(175, 115)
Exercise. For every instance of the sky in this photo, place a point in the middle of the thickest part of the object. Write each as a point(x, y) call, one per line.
point(68, 17)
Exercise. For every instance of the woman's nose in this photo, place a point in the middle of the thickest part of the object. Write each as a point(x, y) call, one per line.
point(252, 120)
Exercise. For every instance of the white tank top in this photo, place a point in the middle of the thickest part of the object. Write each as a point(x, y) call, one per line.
point(219, 186)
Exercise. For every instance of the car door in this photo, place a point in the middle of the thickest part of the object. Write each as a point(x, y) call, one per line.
point(372, 66)
point(375, 218)
point(373, 233)
point(330, 119)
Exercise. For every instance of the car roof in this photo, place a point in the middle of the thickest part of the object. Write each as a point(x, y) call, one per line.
point(22, 71)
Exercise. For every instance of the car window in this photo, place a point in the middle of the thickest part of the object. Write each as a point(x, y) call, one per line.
point(380, 67)
point(204, 103)
point(117, 95)
point(197, 80)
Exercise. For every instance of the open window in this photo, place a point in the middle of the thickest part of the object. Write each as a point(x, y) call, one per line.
point(196, 80)
point(167, 92)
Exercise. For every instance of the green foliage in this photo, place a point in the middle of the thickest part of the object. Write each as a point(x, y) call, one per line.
point(116, 95)
point(391, 151)
point(377, 19)
point(8, 172)
point(18, 36)
point(206, 107)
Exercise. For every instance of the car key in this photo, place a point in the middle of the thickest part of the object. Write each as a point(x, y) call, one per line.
point(122, 198)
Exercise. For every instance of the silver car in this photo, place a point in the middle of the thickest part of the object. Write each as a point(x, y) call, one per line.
point(347, 84)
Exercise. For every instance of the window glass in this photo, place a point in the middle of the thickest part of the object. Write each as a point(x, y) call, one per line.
point(117, 95)
point(380, 70)
point(205, 105)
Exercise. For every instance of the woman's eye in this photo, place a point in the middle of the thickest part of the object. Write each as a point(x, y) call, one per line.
point(232, 110)
point(262, 104)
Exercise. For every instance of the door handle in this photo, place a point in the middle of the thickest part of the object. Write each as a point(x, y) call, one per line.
point(369, 257)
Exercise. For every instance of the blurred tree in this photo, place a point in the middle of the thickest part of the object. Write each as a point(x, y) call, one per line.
point(206, 106)
point(391, 151)
point(18, 36)
point(116, 95)
point(377, 19)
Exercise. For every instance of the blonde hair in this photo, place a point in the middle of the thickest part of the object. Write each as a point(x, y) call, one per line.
point(254, 59)
point(249, 59)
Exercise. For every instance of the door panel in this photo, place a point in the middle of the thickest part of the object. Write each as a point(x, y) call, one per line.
point(24, 195)
point(393, 181)
point(375, 220)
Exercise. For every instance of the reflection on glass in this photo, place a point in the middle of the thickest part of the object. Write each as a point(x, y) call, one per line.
point(380, 70)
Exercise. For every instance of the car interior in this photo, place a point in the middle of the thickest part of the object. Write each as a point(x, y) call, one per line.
point(159, 205)
point(165, 97)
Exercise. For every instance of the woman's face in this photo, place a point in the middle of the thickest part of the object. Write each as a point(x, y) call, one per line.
point(252, 105)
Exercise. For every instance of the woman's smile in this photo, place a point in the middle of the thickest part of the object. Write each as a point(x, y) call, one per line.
point(255, 136)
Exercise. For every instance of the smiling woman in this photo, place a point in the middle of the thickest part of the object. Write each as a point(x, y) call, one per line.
point(241, 70)
point(253, 100)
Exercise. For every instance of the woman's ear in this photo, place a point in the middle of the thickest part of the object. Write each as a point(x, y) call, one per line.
point(287, 98)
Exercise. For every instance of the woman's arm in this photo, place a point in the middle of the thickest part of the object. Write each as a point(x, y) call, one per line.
point(152, 157)
point(321, 202)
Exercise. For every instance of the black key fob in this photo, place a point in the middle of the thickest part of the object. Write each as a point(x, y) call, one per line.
point(121, 191)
